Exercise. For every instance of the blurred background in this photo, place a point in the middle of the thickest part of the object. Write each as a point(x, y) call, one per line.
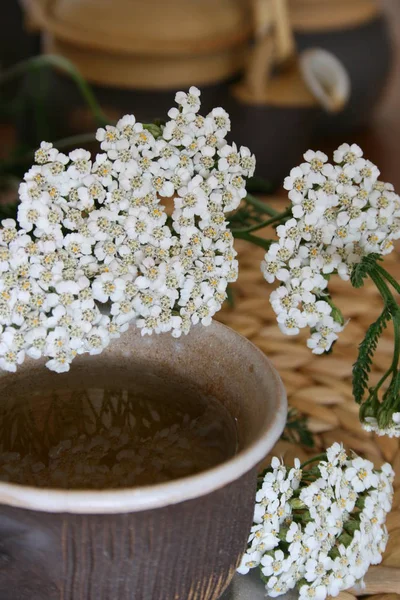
point(293, 74)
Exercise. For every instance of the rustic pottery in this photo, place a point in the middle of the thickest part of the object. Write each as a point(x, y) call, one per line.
point(279, 98)
point(251, 587)
point(242, 55)
point(137, 54)
point(352, 30)
point(181, 539)
point(147, 45)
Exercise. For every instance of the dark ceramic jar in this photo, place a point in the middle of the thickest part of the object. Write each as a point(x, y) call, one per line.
point(276, 117)
point(182, 539)
point(356, 32)
point(278, 135)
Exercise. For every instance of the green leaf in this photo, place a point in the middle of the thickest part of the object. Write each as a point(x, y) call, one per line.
point(361, 270)
point(366, 350)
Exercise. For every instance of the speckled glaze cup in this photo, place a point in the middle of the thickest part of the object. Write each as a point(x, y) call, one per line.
point(180, 540)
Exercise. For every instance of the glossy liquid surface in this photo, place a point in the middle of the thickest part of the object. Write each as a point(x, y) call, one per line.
point(112, 437)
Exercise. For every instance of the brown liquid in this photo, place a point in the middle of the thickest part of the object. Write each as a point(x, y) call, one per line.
point(111, 437)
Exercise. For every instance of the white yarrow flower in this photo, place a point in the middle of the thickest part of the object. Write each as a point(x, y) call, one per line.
point(93, 237)
point(308, 550)
point(339, 214)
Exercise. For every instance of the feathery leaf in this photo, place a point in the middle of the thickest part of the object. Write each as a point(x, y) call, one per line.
point(361, 270)
point(366, 349)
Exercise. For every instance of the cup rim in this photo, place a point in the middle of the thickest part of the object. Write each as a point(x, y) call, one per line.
point(135, 499)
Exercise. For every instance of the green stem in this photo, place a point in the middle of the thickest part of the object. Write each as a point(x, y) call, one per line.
point(261, 206)
point(382, 380)
point(377, 273)
point(276, 218)
point(75, 140)
point(253, 239)
point(65, 65)
point(393, 307)
point(396, 351)
point(383, 289)
point(388, 277)
point(313, 459)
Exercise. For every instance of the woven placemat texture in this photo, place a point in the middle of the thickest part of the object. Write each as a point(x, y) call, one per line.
point(321, 386)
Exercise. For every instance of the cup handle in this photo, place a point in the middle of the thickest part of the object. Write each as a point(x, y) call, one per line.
point(326, 78)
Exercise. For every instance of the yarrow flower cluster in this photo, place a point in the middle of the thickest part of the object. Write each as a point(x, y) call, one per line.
point(319, 529)
point(94, 249)
point(339, 213)
point(391, 430)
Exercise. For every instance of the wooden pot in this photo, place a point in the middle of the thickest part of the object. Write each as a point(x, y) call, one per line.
point(147, 45)
point(356, 32)
point(138, 54)
point(259, 80)
point(180, 539)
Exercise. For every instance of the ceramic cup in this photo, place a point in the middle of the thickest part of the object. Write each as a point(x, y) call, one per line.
point(368, 79)
point(179, 540)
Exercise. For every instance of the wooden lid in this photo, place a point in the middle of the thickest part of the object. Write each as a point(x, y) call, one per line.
point(325, 15)
point(150, 27)
point(149, 72)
